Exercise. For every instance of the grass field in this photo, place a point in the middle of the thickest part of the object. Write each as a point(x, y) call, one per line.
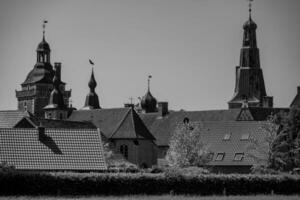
point(165, 197)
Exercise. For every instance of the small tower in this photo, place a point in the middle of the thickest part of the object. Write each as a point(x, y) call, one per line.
point(249, 83)
point(36, 88)
point(56, 109)
point(92, 100)
point(148, 102)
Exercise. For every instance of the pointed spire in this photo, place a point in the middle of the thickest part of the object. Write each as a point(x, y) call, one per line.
point(92, 100)
point(92, 83)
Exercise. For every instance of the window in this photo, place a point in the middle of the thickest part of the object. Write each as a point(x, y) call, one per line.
point(227, 136)
point(210, 156)
point(245, 136)
point(220, 156)
point(60, 116)
point(238, 156)
point(49, 116)
point(124, 150)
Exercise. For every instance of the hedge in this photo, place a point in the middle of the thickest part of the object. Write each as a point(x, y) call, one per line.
point(151, 184)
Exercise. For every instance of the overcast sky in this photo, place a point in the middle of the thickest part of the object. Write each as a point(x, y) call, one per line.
point(190, 47)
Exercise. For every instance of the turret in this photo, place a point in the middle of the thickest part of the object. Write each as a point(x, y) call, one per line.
point(92, 100)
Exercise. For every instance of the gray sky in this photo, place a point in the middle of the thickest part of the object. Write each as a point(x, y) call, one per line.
point(190, 47)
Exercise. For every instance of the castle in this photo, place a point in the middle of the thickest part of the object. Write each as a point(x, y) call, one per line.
point(141, 133)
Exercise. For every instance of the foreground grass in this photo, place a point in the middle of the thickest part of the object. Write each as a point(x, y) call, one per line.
point(164, 197)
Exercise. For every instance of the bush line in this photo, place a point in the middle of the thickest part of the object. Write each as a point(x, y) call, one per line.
point(143, 183)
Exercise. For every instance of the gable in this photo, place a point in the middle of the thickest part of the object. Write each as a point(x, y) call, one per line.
point(9, 118)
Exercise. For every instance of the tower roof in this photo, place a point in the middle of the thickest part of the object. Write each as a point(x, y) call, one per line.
point(92, 100)
point(148, 102)
point(43, 46)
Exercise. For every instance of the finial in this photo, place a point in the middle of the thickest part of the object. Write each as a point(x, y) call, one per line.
point(149, 77)
point(44, 27)
point(131, 100)
point(250, 8)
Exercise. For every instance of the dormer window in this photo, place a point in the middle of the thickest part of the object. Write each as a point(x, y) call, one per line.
point(245, 136)
point(238, 157)
point(227, 136)
point(220, 156)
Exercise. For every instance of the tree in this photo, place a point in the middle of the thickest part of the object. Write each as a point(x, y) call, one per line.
point(279, 147)
point(286, 146)
point(187, 148)
point(260, 148)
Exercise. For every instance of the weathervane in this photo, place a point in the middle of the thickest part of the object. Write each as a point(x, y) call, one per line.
point(250, 7)
point(44, 27)
point(149, 77)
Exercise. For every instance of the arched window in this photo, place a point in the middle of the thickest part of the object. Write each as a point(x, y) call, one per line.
point(124, 150)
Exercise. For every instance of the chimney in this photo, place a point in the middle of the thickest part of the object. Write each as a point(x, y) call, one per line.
point(163, 108)
point(57, 67)
point(298, 90)
point(267, 102)
point(41, 132)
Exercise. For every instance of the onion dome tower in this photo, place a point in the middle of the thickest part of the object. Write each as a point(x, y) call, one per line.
point(92, 100)
point(250, 84)
point(36, 89)
point(148, 102)
point(56, 109)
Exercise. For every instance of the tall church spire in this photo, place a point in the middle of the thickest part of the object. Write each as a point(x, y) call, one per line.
point(92, 100)
point(250, 84)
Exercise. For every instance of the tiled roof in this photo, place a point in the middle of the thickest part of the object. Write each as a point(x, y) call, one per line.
point(114, 122)
point(25, 122)
point(162, 127)
point(9, 118)
point(55, 149)
point(131, 127)
point(296, 101)
point(213, 135)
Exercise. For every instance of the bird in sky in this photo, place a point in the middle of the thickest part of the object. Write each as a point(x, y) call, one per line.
point(91, 62)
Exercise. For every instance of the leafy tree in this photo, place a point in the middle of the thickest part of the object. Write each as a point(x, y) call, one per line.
point(260, 148)
point(187, 148)
point(279, 146)
point(286, 146)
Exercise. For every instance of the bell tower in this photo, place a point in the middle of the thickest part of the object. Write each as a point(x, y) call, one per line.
point(35, 90)
point(249, 83)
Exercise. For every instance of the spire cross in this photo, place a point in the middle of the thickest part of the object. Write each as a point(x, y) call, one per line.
point(149, 77)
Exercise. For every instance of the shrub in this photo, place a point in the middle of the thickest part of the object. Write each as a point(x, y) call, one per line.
point(142, 183)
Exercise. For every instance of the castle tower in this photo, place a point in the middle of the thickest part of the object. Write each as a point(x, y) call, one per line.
point(148, 102)
point(92, 100)
point(56, 109)
point(35, 90)
point(249, 84)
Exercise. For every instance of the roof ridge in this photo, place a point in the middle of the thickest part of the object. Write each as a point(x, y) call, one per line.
point(119, 125)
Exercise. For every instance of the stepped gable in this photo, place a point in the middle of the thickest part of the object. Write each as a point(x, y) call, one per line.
point(9, 118)
point(52, 149)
